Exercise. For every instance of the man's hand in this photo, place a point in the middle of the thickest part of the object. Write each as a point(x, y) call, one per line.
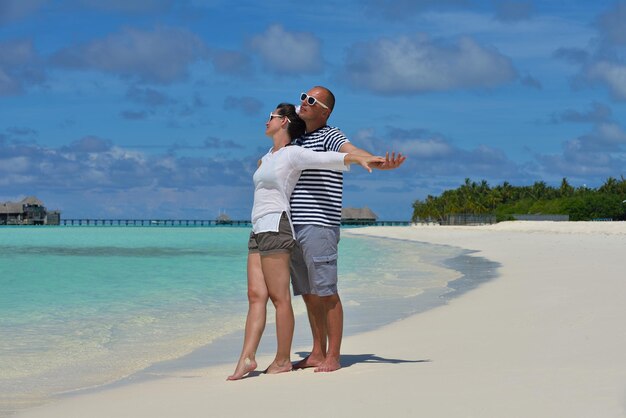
point(390, 163)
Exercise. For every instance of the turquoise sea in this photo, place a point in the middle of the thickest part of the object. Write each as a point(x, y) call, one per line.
point(81, 307)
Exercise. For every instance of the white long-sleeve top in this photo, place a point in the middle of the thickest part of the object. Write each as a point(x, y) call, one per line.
point(276, 178)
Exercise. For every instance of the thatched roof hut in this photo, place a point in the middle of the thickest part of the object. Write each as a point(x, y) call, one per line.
point(223, 218)
point(29, 211)
point(358, 214)
point(31, 201)
point(11, 208)
point(18, 207)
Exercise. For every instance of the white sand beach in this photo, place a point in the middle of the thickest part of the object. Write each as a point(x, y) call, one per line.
point(546, 338)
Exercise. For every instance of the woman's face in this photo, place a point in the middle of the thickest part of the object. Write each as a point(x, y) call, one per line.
point(274, 123)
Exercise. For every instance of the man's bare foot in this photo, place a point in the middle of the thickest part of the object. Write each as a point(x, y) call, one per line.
point(279, 367)
point(308, 361)
point(328, 365)
point(244, 367)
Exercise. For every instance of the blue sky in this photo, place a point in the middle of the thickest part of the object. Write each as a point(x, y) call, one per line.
point(157, 108)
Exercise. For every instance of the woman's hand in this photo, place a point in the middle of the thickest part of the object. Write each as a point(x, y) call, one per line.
point(367, 162)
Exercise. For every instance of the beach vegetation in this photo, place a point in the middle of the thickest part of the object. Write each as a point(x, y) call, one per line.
point(505, 200)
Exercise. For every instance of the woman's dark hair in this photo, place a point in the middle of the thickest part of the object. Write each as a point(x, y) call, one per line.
point(297, 127)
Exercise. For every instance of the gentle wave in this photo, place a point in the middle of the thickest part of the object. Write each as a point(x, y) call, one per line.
point(83, 307)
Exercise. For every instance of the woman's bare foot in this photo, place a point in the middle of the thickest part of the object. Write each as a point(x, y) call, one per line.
point(279, 367)
point(244, 367)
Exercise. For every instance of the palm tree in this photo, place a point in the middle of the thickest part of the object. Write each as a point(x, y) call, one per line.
point(611, 185)
point(566, 189)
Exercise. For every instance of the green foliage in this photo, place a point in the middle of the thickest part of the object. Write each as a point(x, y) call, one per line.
point(594, 206)
point(506, 200)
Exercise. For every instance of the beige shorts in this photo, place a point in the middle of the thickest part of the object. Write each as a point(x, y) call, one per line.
point(273, 242)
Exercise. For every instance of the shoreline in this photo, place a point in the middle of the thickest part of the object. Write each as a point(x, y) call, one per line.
point(224, 351)
point(402, 283)
point(543, 339)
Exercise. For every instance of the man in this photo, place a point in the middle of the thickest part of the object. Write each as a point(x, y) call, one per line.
point(316, 214)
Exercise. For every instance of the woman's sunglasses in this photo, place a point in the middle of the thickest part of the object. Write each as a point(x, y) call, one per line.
point(273, 115)
point(310, 100)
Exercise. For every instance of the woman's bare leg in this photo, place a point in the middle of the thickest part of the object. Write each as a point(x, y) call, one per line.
point(276, 273)
point(255, 322)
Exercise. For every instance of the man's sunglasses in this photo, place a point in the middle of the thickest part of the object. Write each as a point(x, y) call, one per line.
point(310, 100)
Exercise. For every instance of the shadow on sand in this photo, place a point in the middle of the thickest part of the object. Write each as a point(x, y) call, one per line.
point(348, 360)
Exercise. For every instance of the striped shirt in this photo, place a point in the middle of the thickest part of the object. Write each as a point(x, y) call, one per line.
point(317, 197)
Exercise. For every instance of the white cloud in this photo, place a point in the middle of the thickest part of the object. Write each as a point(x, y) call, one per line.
point(612, 74)
point(612, 133)
point(285, 52)
point(414, 64)
point(612, 23)
point(431, 154)
point(92, 162)
point(161, 56)
point(8, 85)
point(532, 39)
point(597, 113)
point(14, 165)
point(424, 148)
point(19, 67)
point(601, 62)
point(573, 163)
point(599, 153)
point(403, 9)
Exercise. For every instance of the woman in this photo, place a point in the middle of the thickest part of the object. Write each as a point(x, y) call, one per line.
point(272, 237)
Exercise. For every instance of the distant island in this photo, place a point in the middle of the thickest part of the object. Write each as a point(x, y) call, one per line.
point(507, 202)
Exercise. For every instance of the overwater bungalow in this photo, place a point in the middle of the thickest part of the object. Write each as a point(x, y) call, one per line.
point(223, 219)
point(29, 211)
point(358, 216)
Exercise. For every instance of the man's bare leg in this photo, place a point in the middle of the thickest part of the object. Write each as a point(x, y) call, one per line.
point(334, 324)
point(317, 320)
point(255, 322)
point(276, 273)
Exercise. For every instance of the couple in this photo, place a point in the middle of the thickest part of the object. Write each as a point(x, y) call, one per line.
point(288, 203)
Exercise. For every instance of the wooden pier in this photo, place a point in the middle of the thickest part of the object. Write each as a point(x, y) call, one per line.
point(151, 222)
point(197, 223)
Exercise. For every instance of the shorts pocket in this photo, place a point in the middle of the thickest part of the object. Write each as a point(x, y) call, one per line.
point(325, 259)
point(324, 281)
